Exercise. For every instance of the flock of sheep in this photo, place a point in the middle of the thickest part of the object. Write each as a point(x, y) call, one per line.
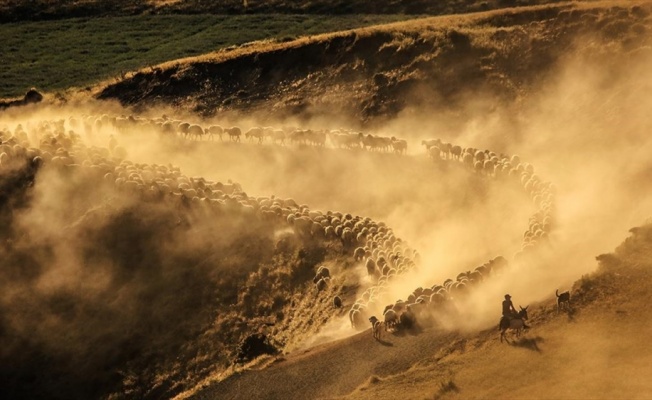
point(335, 138)
point(501, 166)
point(422, 304)
point(372, 244)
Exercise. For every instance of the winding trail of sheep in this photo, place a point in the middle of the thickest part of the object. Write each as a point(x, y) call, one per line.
point(370, 243)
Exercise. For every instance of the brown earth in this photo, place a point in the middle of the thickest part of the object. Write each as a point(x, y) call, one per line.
point(377, 73)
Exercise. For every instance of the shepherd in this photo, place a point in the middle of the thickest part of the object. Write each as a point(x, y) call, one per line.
point(509, 313)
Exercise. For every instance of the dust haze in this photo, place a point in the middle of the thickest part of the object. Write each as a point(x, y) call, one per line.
point(71, 284)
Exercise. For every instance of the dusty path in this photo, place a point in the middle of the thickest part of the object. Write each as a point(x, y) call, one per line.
point(335, 368)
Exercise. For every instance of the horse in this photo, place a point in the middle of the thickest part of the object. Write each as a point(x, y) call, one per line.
point(515, 323)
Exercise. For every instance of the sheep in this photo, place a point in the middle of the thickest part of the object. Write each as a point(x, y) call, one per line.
point(278, 136)
point(323, 272)
point(430, 143)
point(434, 152)
point(356, 316)
point(255, 133)
point(391, 319)
point(358, 253)
point(345, 140)
point(321, 284)
point(376, 326)
point(446, 150)
point(563, 300)
point(437, 298)
point(215, 130)
point(400, 146)
point(182, 128)
point(371, 266)
point(456, 152)
point(303, 226)
point(195, 131)
point(234, 133)
point(407, 319)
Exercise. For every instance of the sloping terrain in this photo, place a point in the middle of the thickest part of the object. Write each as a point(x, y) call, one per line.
point(155, 289)
point(131, 270)
point(55, 55)
point(598, 349)
point(21, 10)
point(440, 63)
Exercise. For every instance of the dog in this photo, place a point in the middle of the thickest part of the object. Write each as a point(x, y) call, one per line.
point(563, 300)
point(376, 326)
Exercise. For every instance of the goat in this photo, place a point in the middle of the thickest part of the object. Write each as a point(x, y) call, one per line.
point(563, 300)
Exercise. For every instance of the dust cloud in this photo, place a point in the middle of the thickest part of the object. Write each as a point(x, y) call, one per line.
point(587, 131)
point(86, 267)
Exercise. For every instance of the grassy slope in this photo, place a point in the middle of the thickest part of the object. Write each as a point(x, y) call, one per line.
point(377, 72)
point(563, 356)
point(54, 55)
point(21, 10)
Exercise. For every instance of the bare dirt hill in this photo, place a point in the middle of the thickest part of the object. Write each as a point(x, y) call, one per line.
point(377, 73)
point(565, 355)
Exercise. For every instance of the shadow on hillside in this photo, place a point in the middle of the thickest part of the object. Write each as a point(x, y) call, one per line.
point(412, 331)
point(570, 312)
point(528, 343)
point(385, 343)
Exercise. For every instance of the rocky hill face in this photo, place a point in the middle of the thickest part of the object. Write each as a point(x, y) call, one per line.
point(378, 73)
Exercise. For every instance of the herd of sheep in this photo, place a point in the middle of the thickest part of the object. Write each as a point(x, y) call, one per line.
point(422, 303)
point(502, 166)
point(287, 135)
point(371, 244)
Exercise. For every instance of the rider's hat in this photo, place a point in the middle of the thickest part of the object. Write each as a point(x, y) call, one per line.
point(508, 296)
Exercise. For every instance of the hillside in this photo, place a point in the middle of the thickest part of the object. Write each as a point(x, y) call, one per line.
point(223, 226)
point(492, 59)
point(55, 55)
point(565, 355)
point(23, 10)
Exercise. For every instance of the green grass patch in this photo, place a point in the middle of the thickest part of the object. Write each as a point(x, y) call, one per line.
point(54, 55)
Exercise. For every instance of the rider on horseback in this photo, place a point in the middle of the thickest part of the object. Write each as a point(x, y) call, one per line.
point(509, 312)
